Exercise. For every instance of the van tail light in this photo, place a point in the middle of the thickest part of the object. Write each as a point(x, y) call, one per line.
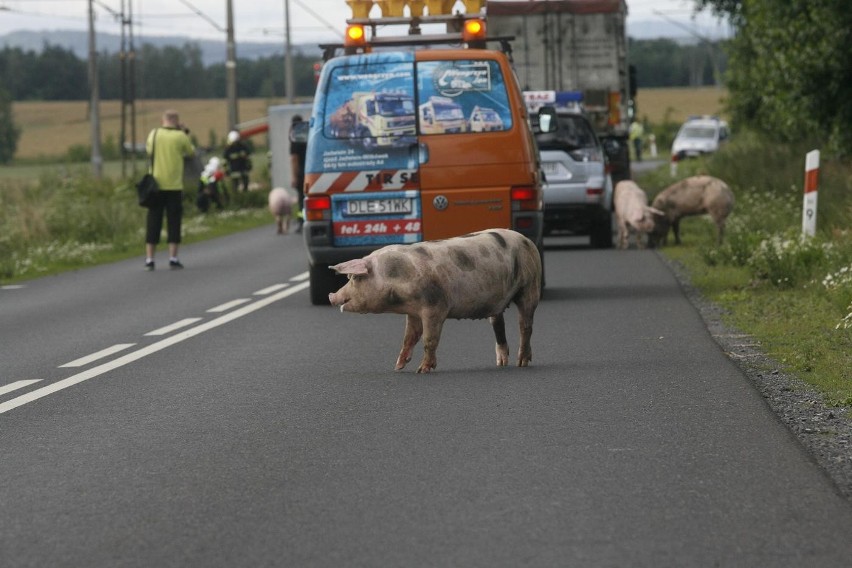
point(317, 208)
point(526, 198)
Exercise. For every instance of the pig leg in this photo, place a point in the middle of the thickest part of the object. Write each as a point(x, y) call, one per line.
point(676, 231)
point(622, 234)
point(432, 325)
point(502, 347)
point(413, 331)
point(527, 301)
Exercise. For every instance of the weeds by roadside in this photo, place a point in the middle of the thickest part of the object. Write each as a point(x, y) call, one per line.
point(792, 293)
point(65, 222)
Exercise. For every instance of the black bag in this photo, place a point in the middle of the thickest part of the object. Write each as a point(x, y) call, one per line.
point(147, 190)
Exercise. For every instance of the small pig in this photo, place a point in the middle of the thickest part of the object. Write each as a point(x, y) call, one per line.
point(281, 204)
point(692, 196)
point(470, 277)
point(632, 213)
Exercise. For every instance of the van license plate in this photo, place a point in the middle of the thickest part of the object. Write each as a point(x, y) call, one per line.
point(398, 206)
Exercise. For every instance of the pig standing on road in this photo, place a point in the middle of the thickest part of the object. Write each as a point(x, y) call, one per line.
point(632, 213)
point(471, 277)
point(281, 204)
point(692, 196)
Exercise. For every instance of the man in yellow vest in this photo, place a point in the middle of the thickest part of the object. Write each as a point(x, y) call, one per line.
point(167, 146)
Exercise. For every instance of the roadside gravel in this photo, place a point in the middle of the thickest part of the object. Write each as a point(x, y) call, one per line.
point(825, 431)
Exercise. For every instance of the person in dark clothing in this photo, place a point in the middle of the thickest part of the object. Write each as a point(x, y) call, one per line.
point(237, 161)
point(298, 150)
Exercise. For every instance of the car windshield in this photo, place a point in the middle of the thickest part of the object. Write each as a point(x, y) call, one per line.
point(701, 132)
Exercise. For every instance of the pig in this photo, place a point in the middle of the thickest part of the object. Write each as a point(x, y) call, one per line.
point(474, 276)
point(632, 213)
point(692, 196)
point(281, 204)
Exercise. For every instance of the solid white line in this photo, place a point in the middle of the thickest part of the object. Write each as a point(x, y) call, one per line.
point(11, 287)
point(228, 305)
point(99, 355)
point(177, 325)
point(300, 277)
point(270, 290)
point(16, 385)
point(148, 350)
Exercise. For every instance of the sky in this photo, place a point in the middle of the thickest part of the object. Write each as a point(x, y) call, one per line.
point(311, 21)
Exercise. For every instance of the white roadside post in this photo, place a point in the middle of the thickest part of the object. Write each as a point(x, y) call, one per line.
point(809, 208)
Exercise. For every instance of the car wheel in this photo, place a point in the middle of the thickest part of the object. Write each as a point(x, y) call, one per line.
point(323, 281)
point(601, 236)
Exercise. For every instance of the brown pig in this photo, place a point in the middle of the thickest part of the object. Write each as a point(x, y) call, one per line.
point(281, 204)
point(696, 195)
point(470, 277)
point(632, 213)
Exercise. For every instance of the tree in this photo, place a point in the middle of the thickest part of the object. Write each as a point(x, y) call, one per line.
point(9, 133)
point(790, 68)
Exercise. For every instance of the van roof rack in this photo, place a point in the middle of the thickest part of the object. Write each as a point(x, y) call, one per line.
point(330, 49)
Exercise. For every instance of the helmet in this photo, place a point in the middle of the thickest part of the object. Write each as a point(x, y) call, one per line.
point(233, 136)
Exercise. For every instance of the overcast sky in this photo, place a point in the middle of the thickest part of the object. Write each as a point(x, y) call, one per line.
point(256, 20)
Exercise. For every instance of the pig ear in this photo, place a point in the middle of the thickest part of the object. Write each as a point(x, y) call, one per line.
point(356, 266)
point(656, 211)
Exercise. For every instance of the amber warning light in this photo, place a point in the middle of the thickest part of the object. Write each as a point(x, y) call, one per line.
point(355, 36)
point(474, 30)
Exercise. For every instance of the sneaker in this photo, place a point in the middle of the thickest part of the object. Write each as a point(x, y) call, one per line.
point(175, 264)
point(149, 265)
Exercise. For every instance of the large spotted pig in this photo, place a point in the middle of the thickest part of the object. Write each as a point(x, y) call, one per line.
point(697, 195)
point(470, 277)
point(632, 214)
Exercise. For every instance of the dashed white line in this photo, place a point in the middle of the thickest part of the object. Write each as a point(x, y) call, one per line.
point(300, 277)
point(228, 305)
point(271, 289)
point(175, 326)
point(148, 350)
point(82, 361)
point(16, 385)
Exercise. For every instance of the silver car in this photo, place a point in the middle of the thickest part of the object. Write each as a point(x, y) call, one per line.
point(699, 135)
point(578, 188)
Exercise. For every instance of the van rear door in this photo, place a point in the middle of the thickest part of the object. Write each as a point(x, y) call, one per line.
point(466, 176)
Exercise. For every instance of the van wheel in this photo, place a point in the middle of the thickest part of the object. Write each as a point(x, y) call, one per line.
point(601, 236)
point(323, 281)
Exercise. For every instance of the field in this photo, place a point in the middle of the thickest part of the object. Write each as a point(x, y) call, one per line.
point(50, 128)
point(678, 103)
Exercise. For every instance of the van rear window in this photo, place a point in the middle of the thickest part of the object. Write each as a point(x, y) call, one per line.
point(461, 96)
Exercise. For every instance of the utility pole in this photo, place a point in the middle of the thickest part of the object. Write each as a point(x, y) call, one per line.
point(288, 56)
point(94, 102)
point(231, 71)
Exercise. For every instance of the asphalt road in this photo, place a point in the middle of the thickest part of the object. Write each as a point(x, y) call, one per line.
point(237, 425)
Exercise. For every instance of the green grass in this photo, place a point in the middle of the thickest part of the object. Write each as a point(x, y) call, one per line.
point(792, 294)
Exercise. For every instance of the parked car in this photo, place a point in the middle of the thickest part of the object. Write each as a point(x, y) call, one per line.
point(699, 135)
point(578, 188)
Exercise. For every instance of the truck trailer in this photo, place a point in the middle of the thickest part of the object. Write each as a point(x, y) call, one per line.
point(575, 45)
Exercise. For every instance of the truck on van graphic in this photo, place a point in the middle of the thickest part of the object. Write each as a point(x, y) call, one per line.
point(441, 115)
point(484, 119)
point(381, 119)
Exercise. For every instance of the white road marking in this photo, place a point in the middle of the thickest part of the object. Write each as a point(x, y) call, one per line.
point(270, 290)
point(99, 355)
point(12, 287)
point(16, 385)
point(228, 305)
point(148, 350)
point(300, 277)
point(177, 325)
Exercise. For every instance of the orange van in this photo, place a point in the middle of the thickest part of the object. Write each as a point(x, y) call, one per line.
point(377, 174)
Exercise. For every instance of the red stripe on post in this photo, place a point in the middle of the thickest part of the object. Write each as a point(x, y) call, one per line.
point(811, 180)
